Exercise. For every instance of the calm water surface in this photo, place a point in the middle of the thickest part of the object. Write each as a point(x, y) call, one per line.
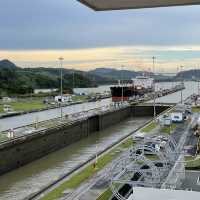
point(13, 122)
point(21, 182)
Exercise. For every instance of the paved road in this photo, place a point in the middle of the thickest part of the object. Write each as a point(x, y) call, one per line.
point(182, 135)
point(191, 181)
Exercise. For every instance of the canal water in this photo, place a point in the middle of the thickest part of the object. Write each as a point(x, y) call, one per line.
point(190, 88)
point(106, 88)
point(26, 180)
point(22, 120)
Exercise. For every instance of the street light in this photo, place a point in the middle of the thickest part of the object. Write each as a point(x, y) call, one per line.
point(61, 85)
point(181, 68)
point(153, 58)
point(122, 83)
point(198, 80)
point(154, 88)
point(73, 81)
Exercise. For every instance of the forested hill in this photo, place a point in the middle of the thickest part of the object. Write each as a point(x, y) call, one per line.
point(193, 74)
point(115, 74)
point(16, 80)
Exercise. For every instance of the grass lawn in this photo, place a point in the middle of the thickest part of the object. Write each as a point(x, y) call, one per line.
point(152, 157)
point(106, 195)
point(191, 162)
point(3, 138)
point(195, 109)
point(1, 108)
point(25, 105)
point(87, 172)
point(149, 127)
point(166, 129)
point(80, 98)
point(126, 144)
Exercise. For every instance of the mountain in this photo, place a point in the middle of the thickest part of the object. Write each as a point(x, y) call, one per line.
point(103, 71)
point(7, 64)
point(15, 80)
point(193, 74)
point(115, 74)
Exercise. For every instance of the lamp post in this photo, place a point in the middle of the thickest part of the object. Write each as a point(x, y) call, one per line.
point(154, 88)
point(73, 80)
point(61, 85)
point(122, 67)
point(181, 68)
point(198, 92)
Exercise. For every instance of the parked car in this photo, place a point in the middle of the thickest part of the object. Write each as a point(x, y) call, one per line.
point(177, 117)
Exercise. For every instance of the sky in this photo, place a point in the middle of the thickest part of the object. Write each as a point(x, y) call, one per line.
point(37, 33)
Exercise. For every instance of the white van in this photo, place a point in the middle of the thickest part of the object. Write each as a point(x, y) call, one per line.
point(7, 108)
point(177, 117)
point(64, 98)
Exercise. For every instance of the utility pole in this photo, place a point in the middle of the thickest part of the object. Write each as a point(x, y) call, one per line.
point(181, 68)
point(153, 58)
point(198, 75)
point(154, 88)
point(73, 80)
point(61, 85)
point(122, 83)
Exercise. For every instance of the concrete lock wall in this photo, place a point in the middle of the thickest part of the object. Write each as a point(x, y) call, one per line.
point(112, 118)
point(140, 111)
point(20, 152)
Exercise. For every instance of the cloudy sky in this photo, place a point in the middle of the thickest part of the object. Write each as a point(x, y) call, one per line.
point(36, 33)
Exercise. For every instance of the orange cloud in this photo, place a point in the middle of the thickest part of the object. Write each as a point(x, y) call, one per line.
point(132, 57)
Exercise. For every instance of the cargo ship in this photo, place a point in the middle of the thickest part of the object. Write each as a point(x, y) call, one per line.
point(135, 87)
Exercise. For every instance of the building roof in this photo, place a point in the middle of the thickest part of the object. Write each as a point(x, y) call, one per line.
point(156, 194)
point(100, 5)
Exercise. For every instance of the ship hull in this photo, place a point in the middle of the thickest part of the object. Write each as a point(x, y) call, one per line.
point(125, 93)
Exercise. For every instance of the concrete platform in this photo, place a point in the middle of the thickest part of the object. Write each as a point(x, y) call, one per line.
point(157, 194)
point(192, 181)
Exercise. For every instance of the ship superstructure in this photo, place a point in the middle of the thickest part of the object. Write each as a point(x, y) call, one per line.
point(138, 86)
point(143, 82)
